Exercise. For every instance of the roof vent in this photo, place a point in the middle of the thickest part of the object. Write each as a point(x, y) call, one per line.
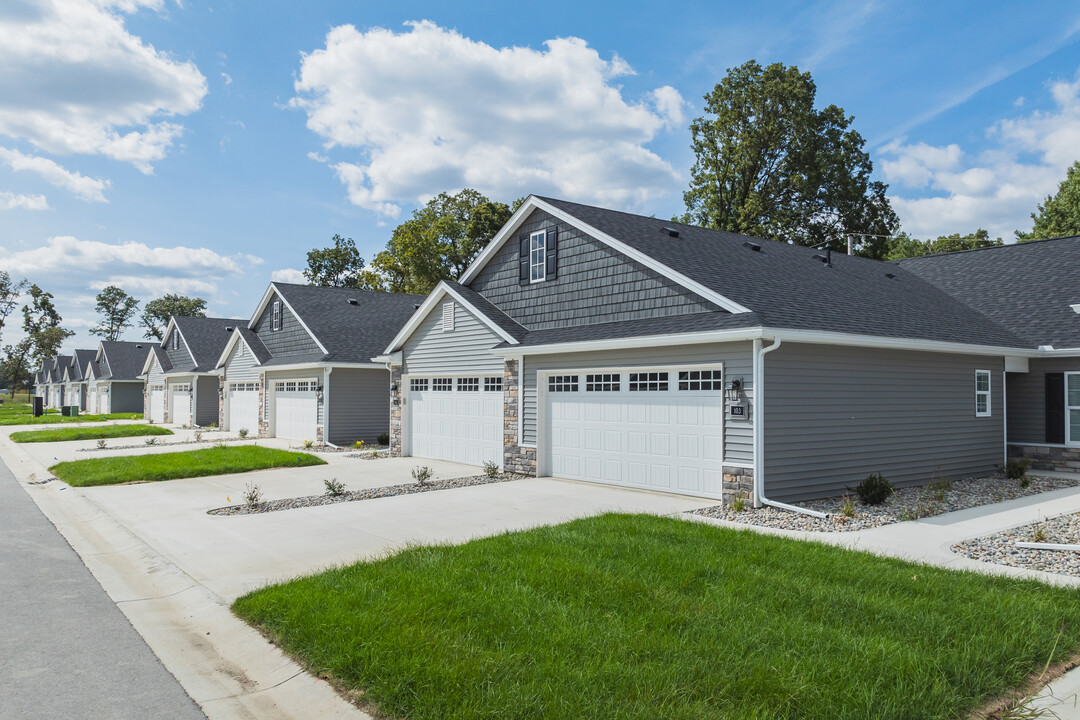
point(228, 328)
point(752, 245)
point(352, 301)
point(671, 232)
point(416, 306)
point(138, 347)
point(889, 275)
point(826, 258)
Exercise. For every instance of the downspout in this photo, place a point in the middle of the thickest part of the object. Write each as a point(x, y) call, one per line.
point(326, 406)
point(759, 434)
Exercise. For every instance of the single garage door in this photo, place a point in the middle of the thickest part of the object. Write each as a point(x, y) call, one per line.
point(660, 429)
point(180, 404)
point(456, 418)
point(244, 407)
point(296, 409)
point(157, 403)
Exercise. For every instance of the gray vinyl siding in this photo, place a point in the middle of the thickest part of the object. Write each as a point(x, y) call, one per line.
point(594, 284)
point(206, 400)
point(241, 368)
point(833, 415)
point(126, 397)
point(1027, 398)
point(358, 403)
point(155, 376)
point(737, 359)
point(465, 349)
point(291, 339)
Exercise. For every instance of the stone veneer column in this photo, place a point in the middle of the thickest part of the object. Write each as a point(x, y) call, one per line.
point(395, 412)
point(264, 431)
point(516, 459)
point(221, 401)
point(738, 482)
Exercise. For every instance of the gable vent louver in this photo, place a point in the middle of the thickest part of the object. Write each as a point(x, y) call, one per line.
point(448, 317)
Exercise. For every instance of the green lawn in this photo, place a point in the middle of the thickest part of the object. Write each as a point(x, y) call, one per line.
point(99, 432)
point(27, 419)
point(626, 616)
point(169, 466)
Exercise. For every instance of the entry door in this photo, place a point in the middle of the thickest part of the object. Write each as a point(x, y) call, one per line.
point(659, 429)
point(180, 403)
point(244, 406)
point(456, 418)
point(296, 409)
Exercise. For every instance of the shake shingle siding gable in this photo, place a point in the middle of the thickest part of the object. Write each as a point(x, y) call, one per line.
point(594, 284)
point(291, 339)
point(180, 359)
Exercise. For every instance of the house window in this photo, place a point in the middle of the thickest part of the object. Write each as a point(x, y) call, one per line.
point(563, 383)
point(442, 384)
point(982, 393)
point(649, 382)
point(604, 382)
point(468, 384)
point(448, 317)
point(1072, 407)
point(493, 384)
point(275, 315)
point(418, 384)
point(700, 380)
point(175, 340)
point(538, 256)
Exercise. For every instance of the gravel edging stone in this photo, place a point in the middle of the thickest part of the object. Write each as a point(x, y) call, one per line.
point(1000, 548)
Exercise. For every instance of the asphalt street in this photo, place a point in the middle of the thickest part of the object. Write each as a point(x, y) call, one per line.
point(66, 650)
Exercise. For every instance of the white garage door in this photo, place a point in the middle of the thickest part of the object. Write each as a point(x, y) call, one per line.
point(296, 409)
point(456, 418)
point(659, 429)
point(180, 404)
point(244, 407)
point(157, 403)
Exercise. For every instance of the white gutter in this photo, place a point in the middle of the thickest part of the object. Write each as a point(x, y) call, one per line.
point(759, 434)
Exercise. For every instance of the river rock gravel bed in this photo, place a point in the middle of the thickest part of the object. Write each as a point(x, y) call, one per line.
point(1001, 547)
point(366, 494)
point(207, 443)
point(905, 504)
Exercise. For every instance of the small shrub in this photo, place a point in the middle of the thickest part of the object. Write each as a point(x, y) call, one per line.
point(252, 494)
point(1039, 533)
point(213, 426)
point(198, 436)
point(1025, 481)
point(874, 489)
point(242, 432)
point(308, 444)
point(383, 438)
point(1015, 469)
point(101, 444)
point(150, 441)
point(939, 489)
point(421, 474)
point(738, 503)
point(334, 487)
point(491, 469)
point(847, 506)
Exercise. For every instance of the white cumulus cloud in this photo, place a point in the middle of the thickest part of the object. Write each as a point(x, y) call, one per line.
point(70, 254)
point(19, 201)
point(86, 188)
point(288, 275)
point(427, 110)
point(74, 80)
point(997, 188)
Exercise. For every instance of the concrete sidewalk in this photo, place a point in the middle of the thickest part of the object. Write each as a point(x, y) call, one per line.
point(66, 650)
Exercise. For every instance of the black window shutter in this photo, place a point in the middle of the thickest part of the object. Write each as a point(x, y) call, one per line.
point(1055, 408)
point(552, 246)
point(523, 259)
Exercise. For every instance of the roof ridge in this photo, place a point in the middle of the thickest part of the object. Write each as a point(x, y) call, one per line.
point(1017, 244)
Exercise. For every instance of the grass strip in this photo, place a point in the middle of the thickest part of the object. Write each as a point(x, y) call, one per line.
point(629, 617)
point(169, 466)
point(101, 432)
point(50, 419)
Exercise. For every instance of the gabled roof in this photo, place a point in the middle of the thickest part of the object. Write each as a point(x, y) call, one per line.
point(785, 286)
point(205, 339)
point(248, 337)
point(124, 359)
point(56, 373)
point(1027, 288)
point(348, 333)
point(157, 353)
point(498, 321)
point(82, 363)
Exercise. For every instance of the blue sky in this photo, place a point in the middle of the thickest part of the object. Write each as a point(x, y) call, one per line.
point(203, 148)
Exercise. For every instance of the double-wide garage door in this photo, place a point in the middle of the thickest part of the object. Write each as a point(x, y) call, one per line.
point(296, 409)
point(244, 406)
point(661, 429)
point(457, 418)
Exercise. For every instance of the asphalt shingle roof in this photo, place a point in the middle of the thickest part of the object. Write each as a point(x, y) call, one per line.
point(350, 333)
point(1026, 287)
point(56, 373)
point(254, 342)
point(494, 314)
point(206, 338)
point(163, 360)
point(126, 359)
point(81, 368)
point(787, 288)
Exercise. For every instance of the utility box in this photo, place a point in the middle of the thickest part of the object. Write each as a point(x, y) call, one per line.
point(39, 406)
point(74, 411)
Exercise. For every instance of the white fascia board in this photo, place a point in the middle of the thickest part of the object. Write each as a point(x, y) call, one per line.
point(421, 312)
point(394, 358)
point(270, 292)
point(320, 365)
point(649, 261)
point(148, 362)
point(1063, 352)
point(698, 338)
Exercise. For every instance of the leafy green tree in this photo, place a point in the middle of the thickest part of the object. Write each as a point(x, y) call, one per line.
point(904, 246)
point(337, 266)
point(156, 313)
point(769, 164)
point(10, 290)
point(14, 370)
point(41, 323)
point(116, 309)
point(1059, 214)
point(438, 242)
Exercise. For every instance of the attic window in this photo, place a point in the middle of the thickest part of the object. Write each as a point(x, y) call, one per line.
point(176, 341)
point(537, 259)
point(275, 316)
point(448, 317)
point(538, 256)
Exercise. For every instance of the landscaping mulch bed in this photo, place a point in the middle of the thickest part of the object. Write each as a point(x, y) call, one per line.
point(905, 504)
point(367, 494)
point(1001, 547)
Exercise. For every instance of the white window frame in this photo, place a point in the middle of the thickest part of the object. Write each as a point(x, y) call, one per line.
point(175, 340)
point(1068, 411)
point(983, 393)
point(275, 316)
point(537, 248)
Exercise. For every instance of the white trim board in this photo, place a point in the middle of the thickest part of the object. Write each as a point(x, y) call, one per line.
point(534, 203)
point(429, 302)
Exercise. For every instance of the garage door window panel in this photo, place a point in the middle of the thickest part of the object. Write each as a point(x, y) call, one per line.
point(493, 384)
point(418, 384)
point(700, 380)
point(442, 385)
point(468, 384)
point(648, 382)
point(563, 383)
point(604, 382)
